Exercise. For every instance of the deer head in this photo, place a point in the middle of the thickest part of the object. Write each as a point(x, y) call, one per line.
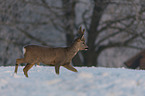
point(81, 40)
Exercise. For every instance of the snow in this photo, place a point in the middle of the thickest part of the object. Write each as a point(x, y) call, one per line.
point(92, 81)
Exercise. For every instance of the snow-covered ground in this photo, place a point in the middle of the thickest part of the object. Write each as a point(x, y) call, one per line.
point(92, 81)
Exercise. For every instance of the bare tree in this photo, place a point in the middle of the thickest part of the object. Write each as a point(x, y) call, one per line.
point(109, 24)
point(111, 31)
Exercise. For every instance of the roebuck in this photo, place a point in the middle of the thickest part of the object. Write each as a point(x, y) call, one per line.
point(34, 54)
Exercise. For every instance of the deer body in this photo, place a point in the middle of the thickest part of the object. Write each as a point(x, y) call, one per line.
point(35, 54)
point(50, 56)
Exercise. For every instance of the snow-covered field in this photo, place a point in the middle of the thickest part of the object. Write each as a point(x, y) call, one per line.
point(92, 81)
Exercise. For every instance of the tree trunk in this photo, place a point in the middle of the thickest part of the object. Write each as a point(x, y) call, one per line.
point(69, 19)
point(91, 55)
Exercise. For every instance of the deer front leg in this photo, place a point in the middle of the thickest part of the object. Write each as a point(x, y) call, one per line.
point(27, 68)
point(57, 67)
point(18, 61)
point(70, 67)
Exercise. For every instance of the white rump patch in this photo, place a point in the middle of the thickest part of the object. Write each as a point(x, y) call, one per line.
point(24, 50)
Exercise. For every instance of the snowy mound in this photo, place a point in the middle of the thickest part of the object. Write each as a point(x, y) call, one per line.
point(43, 81)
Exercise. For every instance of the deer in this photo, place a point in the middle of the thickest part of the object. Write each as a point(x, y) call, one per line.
point(59, 56)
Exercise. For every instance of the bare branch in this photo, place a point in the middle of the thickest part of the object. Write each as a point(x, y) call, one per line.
point(31, 37)
point(12, 42)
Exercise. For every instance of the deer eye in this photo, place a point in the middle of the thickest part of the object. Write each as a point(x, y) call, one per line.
point(83, 43)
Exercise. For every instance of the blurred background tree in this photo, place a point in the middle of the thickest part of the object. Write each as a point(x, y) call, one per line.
point(114, 28)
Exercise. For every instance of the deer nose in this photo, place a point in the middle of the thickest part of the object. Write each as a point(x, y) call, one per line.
point(86, 48)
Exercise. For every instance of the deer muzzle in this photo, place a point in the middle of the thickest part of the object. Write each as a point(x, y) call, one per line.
point(86, 48)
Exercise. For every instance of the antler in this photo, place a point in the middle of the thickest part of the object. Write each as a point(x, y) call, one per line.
point(81, 33)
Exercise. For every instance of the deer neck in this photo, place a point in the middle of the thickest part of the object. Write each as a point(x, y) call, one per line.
point(73, 49)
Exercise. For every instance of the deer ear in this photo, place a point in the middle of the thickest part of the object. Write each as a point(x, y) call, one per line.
point(81, 32)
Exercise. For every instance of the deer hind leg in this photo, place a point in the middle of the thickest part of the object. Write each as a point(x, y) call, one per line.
point(18, 61)
point(38, 63)
point(27, 68)
point(70, 67)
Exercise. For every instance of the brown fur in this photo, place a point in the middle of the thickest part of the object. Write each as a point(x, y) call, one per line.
point(51, 56)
